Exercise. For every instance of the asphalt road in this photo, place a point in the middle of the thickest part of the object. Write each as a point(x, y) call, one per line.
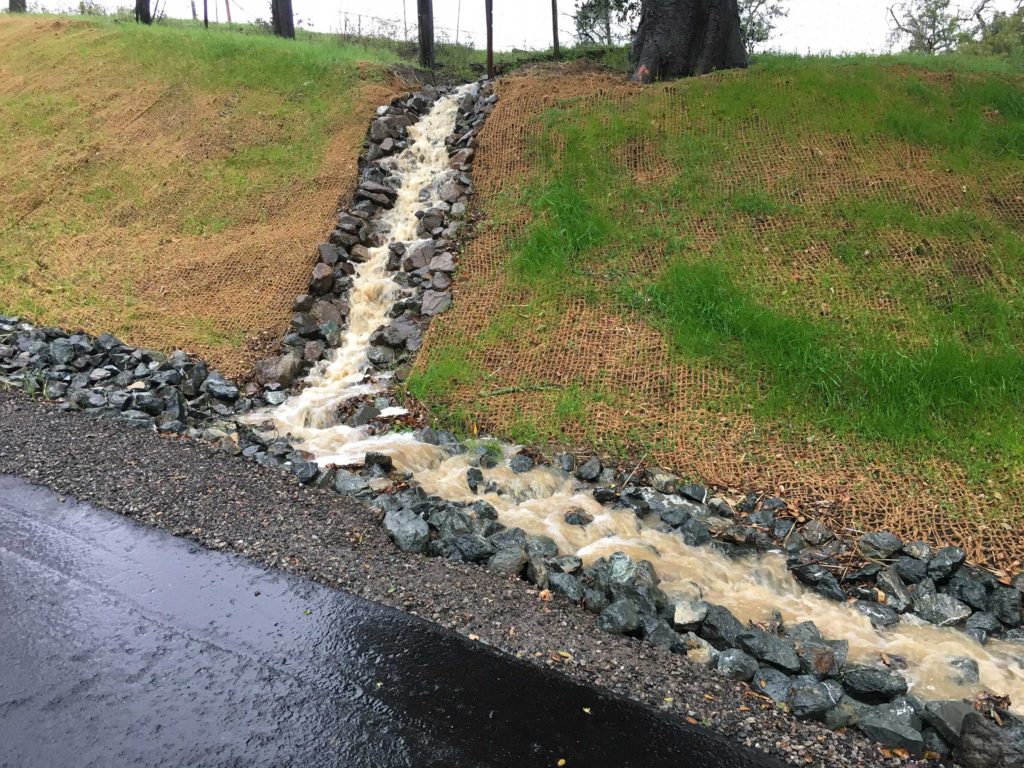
point(121, 645)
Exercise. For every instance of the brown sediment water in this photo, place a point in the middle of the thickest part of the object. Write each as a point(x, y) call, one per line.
point(537, 500)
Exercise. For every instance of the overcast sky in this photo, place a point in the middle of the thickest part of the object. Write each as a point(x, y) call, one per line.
point(813, 26)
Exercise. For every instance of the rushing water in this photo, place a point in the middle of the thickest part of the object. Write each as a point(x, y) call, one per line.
point(537, 501)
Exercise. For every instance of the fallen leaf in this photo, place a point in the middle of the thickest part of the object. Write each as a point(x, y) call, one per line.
point(586, 710)
point(545, 595)
point(691, 721)
point(561, 761)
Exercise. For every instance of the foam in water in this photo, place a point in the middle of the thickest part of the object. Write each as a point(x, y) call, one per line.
point(537, 501)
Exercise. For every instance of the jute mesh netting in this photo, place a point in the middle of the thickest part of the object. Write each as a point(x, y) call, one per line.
point(656, 400)
point(98, 206)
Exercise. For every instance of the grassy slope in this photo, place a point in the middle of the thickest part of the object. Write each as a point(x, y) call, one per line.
point(779, 278)
point(128, 147)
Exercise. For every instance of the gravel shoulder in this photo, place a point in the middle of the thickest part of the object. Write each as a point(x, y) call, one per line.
point(223, 502)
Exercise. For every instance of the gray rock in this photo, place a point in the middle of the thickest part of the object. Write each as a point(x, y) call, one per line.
point(720, 627)
point(689, 615)
point(578, 517)
point(657, 632)
point(473, 547)
point(897, 596)
point(1006, 603)
point(363, 415)
point(322, 279)
point(966, 587)
point(219, 387)
point(945, 562)
point(737, 665)
point(305, 471)
point(620, 618)
point(768, 648)
point(451, 522)
point(947, 717)
point(375, 459)
point(773, 683)
point(941, 610)
point(891, 732)
point(347, 482)
point(821, 658)
point(566, 584)
point(964, 670)
point(910, 569)
point(816, 534)
point(541, 546)
point(846, 713)
point(699, 650)
point(509, 538)
point(509, 561)
point(919, 550)
point(435, 302)
point(590, 470)
point(984, 744)
point(880, 545)
point(474, 478)
point(873, 685)
point(810, 698)
point(409, 532)
point(521, 463)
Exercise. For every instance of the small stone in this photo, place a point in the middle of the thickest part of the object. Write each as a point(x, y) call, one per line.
point(810, 698)
point(941, 609)
point(347, 482)
point(910, 569)
point(409, 532)
point(698, 650)
point(897, 596)
point(578, 517)
point(382, 460)
point(720, 627)
point(737, 665)
point(890, 732)
point(964, 670)
point(322, 279)
point(919, 550)
point(305, 471)
point(521, 463)
point(1006, 605)
point(590, 470)
point(873, 684)
point(880, 545)
point(947, 717)
point(509, 561)
point(619, 618)
point(815, 533)
point(945, 562)
point(566, 584)
point(689, 615)
point(768, 648)
point(773, 683)
point(541, 546)
point(474, 478)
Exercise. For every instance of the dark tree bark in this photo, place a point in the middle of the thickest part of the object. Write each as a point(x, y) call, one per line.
point(554, 29)
point(679, 38)
point(425, 19)
point(142, 12)
point(282, 19)
point(17, 6)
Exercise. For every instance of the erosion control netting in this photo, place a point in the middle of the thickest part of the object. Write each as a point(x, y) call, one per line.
point(648, 397)
point(141, 210)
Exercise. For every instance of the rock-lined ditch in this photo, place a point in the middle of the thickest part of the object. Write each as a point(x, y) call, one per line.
point(888, 580)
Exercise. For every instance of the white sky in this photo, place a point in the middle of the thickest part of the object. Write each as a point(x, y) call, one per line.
point(813, 26)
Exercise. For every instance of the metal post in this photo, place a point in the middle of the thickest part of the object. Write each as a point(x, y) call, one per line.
point(489, 10)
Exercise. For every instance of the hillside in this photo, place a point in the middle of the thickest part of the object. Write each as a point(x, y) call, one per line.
point(803, 278)
point(169, 185)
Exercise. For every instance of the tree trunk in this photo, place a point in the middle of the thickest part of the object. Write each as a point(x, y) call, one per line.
point(17, 6)
point(142, 12)
point(554, 29)
point(281, 18)
point(425, 16)
point(679, 38)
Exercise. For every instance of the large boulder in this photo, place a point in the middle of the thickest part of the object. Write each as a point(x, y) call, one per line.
point(281, 370)
point(984, 744)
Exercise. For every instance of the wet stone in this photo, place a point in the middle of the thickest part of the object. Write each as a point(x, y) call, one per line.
point(968, 589)
point(578, 517)
point(947, 717)
point(473, 547)
point(964, 670)
point(772, 683)
point(880, 545)
point(768, 648)
point(941, 609)
point(1006, 605)
point(873, 684)
point(812, 699)
point(737, 665)
point(474, 478)
point(347, 482)
point(521, 463)
point(567, 585)
point(541, 546)
point(910, 569)
point(620, 618)
point(897, 596)
point(382, 460)
point(590, 470)
point(720, 627)
point(891, 732)
point(945, 562)
point(509, 561)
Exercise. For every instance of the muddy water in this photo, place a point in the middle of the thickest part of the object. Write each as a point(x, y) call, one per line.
point(537, 501)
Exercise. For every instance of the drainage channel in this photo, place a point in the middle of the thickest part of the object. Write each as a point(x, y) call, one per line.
point(538, 500)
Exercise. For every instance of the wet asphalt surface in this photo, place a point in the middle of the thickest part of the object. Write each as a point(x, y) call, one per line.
point(124, 645)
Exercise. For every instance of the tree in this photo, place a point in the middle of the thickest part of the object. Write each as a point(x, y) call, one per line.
point(282, 19)
point(142, 12)
point(757, 20)
point(17, 6)
point(425, 11)
point(679, 38)
point(554, 29)
point(934, 26)
point(1002, 36)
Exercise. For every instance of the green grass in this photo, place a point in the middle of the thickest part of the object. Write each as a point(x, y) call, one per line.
point(939, 376)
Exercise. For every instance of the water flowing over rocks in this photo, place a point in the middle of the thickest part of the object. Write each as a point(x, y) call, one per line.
point(376, 284)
